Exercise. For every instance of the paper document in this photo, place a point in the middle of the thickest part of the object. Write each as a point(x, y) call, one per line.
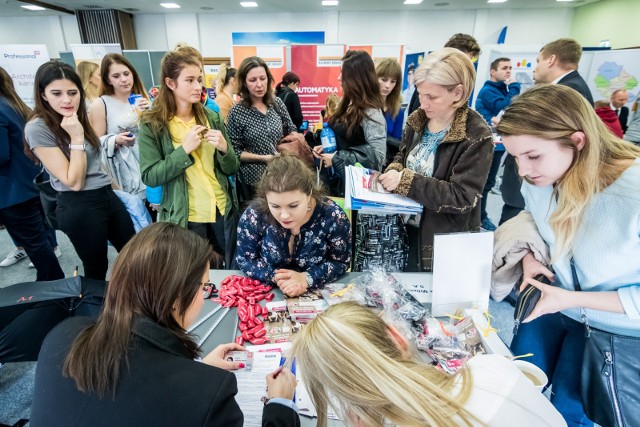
point(252, 385)
point(359, 196)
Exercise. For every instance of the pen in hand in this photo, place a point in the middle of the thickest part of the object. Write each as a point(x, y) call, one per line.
point(277, 372)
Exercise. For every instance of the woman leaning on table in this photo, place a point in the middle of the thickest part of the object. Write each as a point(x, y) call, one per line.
point(292, 235)
point(366, 371)
point(137, 365)
point(581, 189)
point(445, 154)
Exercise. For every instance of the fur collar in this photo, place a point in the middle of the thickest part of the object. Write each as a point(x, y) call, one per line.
point(418, 122)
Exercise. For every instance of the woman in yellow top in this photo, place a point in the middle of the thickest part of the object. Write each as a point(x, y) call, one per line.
point(185, 149)
point(226, 89)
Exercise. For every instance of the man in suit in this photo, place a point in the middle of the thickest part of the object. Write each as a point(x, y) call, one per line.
point(557, 64)
point(618, 100)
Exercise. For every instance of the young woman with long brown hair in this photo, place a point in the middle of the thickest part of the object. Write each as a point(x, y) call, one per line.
point(184, 148)
point(358, 123)
point(137, 364)
point(61, 137)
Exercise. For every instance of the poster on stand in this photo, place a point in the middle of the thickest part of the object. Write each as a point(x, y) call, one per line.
point(21, 61)
point(318, 67)
point(411, 62)
point(274, 56)
point(93, 52)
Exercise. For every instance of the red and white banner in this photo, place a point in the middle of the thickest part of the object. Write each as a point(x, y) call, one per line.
point(318, 67)
point(274, 56)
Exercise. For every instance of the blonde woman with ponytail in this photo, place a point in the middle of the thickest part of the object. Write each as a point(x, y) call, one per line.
point(365, 370)
point(581, 188)
point(226, 89)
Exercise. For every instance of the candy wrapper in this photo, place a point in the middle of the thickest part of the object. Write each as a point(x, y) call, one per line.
point(334, 293)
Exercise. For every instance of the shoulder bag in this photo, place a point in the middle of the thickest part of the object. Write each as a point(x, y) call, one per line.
point(610, 388)
point(298, 147)
point(48, 197)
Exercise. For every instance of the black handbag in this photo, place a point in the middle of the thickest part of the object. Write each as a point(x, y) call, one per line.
point(527, 300)
point(610, 380)
point(48, 197)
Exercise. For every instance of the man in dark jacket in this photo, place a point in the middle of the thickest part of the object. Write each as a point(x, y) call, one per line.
point(494, 97)
point(557, 63)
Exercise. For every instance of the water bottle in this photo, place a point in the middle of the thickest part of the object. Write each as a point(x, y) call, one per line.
point(328, 139)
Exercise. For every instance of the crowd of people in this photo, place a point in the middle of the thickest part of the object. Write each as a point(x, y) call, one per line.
point(99, 141)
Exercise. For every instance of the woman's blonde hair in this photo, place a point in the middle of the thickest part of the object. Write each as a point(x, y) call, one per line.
point(85, 70)
point(556, 112)
point(390, 68)
point(448, 67)
point(331, 104)
point(349, 360)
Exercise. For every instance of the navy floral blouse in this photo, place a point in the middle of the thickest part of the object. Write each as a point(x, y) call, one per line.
point(323, 249)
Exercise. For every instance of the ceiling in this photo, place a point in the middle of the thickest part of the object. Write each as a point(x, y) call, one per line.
point(12, 7)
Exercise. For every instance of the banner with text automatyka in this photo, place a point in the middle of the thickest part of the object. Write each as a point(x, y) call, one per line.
point(318, 67)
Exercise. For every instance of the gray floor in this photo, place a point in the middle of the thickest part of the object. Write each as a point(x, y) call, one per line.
point(16, 379)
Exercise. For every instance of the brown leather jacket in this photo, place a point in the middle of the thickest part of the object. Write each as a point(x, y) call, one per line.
point(451, 198)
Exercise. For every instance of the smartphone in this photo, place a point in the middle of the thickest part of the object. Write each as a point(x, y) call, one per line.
point(304, 125)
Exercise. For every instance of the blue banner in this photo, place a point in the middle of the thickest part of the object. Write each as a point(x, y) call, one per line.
point(282, 38)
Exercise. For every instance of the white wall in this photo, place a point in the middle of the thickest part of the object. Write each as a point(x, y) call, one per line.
point(54, 31)
point(211, 33)
point(420, 31)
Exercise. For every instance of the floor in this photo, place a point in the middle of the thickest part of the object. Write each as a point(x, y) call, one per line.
point(16, 379)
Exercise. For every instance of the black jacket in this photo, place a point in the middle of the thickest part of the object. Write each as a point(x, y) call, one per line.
point(292, 102)
point(623, 117)
point(159, 386)
point(576, 82)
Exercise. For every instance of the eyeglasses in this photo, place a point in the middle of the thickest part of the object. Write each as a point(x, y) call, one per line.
point(209, 289)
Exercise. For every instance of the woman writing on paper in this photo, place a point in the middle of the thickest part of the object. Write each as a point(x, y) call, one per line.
point(137, 365)
point(292, 235)
point(358, 124)
point(445, 154)
point(184, 147)
point(365, 371)
point(581, 189)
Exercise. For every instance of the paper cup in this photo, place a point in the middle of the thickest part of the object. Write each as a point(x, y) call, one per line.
point(532, 373)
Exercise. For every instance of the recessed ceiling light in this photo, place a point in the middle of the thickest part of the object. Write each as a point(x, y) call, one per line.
point(330, 2)
point(170, 5)
point(496, 1)
point(564, 0)
point(248, 4)
point(31, 7)
point(412, 1)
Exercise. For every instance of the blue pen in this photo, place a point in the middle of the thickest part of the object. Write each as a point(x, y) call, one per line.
point(293, 370)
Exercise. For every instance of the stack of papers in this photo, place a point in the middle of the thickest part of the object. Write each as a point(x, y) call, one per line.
point(359, 196)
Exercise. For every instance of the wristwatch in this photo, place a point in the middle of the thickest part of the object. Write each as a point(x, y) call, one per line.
point(309, 280)
point(78, 147)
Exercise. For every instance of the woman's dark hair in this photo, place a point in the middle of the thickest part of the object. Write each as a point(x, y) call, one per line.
point(160, 268)
point(164, 107)
point(225, 75)
point(285, 173)
point(247, 65)
point(361, 90)
point(8, 92)
point(48, 73)
point(115, 58)
point(288, 78)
